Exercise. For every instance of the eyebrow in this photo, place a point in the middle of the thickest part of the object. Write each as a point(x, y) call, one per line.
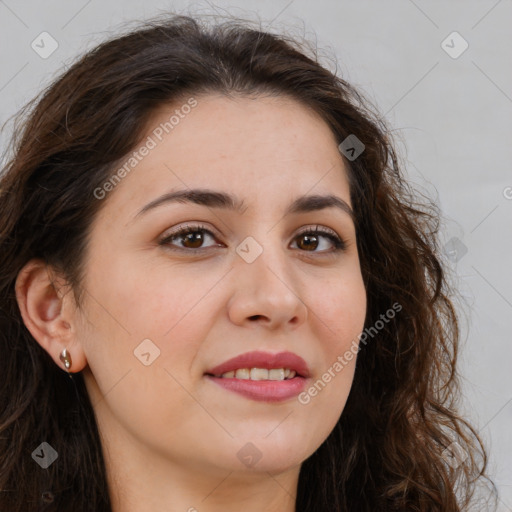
point(215, 199)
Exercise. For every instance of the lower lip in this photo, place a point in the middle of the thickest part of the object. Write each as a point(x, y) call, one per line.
point(263, 390)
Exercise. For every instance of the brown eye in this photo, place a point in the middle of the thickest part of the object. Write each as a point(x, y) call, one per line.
point(193, 240)
point(310, 242)
point(191, 237)
point(311, 239)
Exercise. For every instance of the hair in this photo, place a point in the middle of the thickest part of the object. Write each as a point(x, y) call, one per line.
point(388, 449)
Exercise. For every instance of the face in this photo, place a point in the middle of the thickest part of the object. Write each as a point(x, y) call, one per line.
point(163, 310)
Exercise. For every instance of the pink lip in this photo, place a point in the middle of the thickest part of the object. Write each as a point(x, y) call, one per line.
point(263, 390)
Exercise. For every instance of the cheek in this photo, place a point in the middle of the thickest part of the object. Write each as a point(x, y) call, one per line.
point(144, 301)
point(128, 304)
point(176, 312)
point(340, 312)
point(134, 313)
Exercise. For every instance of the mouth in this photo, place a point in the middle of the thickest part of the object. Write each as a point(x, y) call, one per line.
point(262, 376)
point(258, 374)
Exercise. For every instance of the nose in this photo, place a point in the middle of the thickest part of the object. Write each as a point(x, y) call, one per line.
point(267, 292)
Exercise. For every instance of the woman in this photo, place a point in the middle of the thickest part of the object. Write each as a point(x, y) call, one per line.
point(218, 292)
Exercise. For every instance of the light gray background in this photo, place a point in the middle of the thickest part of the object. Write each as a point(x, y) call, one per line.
point(451, 115)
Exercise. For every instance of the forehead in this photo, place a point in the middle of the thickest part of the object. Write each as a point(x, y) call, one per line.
point(259, 149)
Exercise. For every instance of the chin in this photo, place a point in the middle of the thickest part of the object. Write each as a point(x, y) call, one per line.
point(262, 455)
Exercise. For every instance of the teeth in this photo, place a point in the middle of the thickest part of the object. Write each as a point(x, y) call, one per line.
point(277, 374)
point(243, 373)
point(260, 374)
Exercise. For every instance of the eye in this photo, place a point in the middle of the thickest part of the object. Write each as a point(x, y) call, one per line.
point(310, 239)
point(193, 236)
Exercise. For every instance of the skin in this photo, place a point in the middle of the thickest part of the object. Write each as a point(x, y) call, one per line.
point(170, 436)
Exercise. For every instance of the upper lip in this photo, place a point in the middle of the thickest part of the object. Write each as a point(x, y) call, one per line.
point(258, 359)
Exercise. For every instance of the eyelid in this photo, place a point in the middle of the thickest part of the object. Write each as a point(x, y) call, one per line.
point(317, 227)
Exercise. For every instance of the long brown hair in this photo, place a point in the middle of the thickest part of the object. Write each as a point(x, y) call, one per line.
point(389, 448)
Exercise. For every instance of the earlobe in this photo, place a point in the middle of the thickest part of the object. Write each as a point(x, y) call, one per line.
point(46, 314)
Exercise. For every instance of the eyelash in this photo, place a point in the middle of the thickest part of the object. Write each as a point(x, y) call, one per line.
point(339, 243)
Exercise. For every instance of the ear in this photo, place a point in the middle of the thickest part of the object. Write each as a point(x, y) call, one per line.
point(48, 313)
